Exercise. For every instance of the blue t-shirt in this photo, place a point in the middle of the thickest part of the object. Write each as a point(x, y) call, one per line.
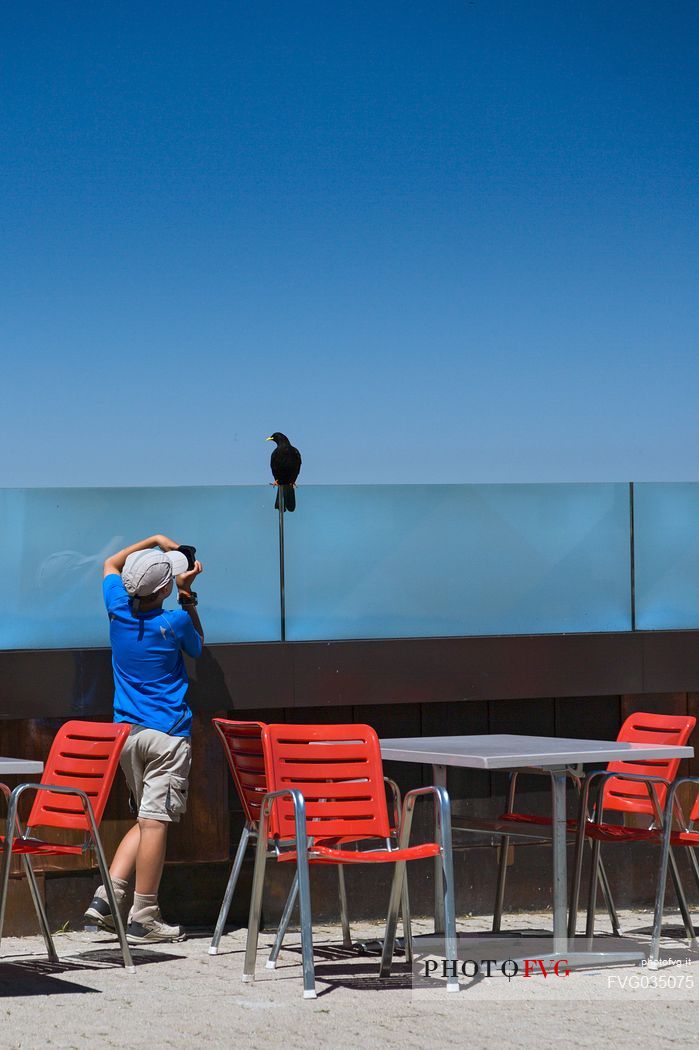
point(150, 679)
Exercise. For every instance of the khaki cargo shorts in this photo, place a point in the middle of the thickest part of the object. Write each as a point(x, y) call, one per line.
point(156, 767)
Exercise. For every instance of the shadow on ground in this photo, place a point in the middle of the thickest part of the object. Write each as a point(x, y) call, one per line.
point(32, 976)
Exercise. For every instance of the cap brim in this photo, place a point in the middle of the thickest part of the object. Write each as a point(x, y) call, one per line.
point(178, 560)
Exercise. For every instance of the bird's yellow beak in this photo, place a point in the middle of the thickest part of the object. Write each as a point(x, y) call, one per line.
point(269, 439)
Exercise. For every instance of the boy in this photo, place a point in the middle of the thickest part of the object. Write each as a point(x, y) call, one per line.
point(150, 686)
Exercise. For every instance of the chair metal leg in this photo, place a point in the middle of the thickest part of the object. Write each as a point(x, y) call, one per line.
point(577, 872)
point(693, 862)
point(407, 927)
point(230, 890)
point(342, 893)
point(396, 891)
point(682, 901)
point(665, 858)
point(7, 860)
point(107, 883)
point(447, 879)
point(111, 896)
point(601, 871)
point(606, 893)
point(502, 876)
point(309, 977)
point(405, 896)
point(309, 991)
point(660, 889)
point(258, 879)
point(578, 863)
point(608, 899)
point(389, 938)
point(39, 909)
point(32, 883)
point(284, 923)
point(592, 894)
point(504, 851)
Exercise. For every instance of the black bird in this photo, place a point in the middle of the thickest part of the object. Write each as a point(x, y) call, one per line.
point(286, 464)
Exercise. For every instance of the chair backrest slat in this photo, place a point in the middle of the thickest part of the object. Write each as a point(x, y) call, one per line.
point(242, 746)
point(627, 796)
point(84, 755)
point(338, 770)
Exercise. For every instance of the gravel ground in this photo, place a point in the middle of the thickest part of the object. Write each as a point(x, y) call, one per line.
point(181, 996)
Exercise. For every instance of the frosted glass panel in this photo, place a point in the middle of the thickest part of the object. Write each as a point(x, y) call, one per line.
point(420, 560)
point(55, 540)
point(666, 532)
point(361, 561)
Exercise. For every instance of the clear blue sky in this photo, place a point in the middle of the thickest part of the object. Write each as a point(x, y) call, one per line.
point(430, 241)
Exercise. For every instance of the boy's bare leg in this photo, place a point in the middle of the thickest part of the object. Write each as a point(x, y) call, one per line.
point(150, 857)
point(124, 862)
point(145, 922)
point(143, 848)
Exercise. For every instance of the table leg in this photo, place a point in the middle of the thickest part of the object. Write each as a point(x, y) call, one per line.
point(439, 779)
point(560, 877)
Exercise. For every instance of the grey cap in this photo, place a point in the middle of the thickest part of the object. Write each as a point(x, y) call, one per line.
point(146, 572)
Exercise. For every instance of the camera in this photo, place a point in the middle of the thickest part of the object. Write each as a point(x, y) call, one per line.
point(190, 554)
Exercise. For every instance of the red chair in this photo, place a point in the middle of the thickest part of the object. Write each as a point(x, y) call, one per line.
point(326, 787)
point(634, 788)
point(640, 726)
point(72, 794)
point(242, 746)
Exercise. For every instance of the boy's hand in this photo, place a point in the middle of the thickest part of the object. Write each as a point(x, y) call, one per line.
point(186, 579)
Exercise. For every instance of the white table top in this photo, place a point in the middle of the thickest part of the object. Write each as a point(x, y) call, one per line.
point(508, 751)
point(10, 766)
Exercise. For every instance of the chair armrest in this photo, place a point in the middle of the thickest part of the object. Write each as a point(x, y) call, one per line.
point(442, 813)
point(683, 780)
point(58, 789)
point(673, 801)
point(514, 775)
point(299, 804)
point(602, 775)
point(294, 793)
point(6, 792)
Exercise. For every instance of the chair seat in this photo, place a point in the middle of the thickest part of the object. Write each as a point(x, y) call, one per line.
point(328, 855)
point(533, 818)
point(620, 833)
point(38, 846)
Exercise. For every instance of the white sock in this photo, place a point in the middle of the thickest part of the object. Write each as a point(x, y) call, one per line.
point(142, 901)
point(120, 888)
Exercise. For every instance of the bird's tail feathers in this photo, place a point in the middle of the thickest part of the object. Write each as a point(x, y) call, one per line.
point(289, 495)
point(290, 498)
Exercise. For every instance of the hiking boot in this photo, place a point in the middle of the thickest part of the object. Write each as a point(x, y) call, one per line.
point(147, 927)
point(98, 913)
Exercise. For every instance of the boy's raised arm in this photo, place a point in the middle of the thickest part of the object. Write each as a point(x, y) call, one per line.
point(115, 562)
